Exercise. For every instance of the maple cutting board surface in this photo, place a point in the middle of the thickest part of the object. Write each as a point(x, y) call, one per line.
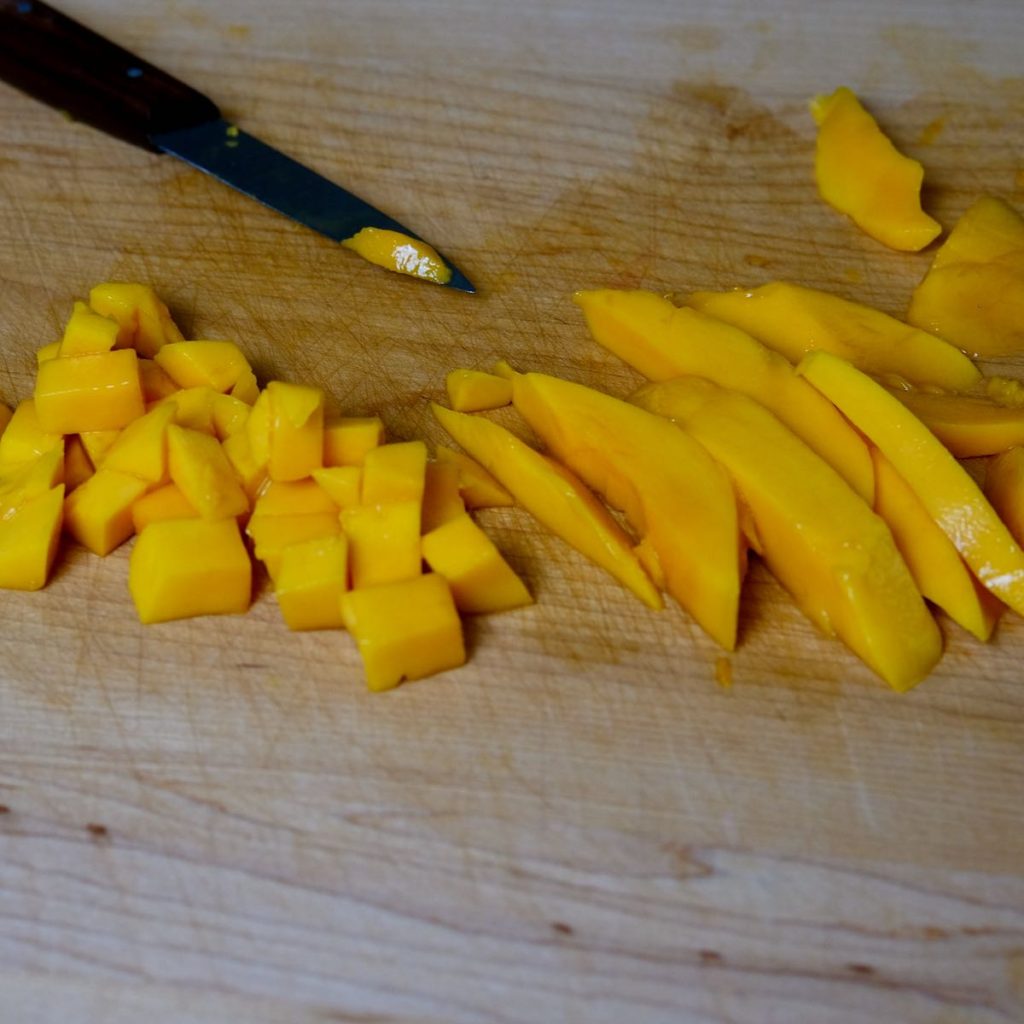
point(212, 820)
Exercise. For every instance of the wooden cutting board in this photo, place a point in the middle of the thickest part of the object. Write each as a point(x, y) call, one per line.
point(212, 820)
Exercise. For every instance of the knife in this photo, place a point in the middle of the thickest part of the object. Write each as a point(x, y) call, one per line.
point(57, 60)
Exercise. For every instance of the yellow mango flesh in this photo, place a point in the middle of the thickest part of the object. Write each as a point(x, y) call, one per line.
point(795, 320)
point(673, 493)
point(862, 174)
point(394, 472)
point(441, 499)
point(973, 294)
point(97, 444)
point(50, 351)
point(185, 567)
point(663, 341)
point(193, 408)
point(230, 415)
point(968, 426)
point(246, 388)
point(143, 318)
point(87, 333)
point(155, 383)
point(24, 438)
point(384, 542)
point(165, 502)
point(404, 630)
point(944, 487)
point(296, 440)
point(29, 538)
point(78, 466)
point(203, 473)
point(555, 497)
point(477, 487)
point(1004, 487)
point(271, 535)
point(823, 543)
point(251, 473)
point(21, 483)
point(294, 497)
point(347, 439)
point(473, 390)
point(395, 251)
point(213, 364)
point(940, 573)
point(312, 577)
point(481, 580)
point(89, 392)
point(343, 484)
point(98, 514)
point(141, 447)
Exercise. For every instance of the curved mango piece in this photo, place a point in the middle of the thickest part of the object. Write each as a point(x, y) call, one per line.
point(862, 174)
point(968, 426)
point(401, 253)
point(823, 543)
point(555, 497)
point(1004, 487)
point(670, 490)
point(795, 320)
point(663, 341)
point(946, 490)
point(940, 573)
point(973, 294)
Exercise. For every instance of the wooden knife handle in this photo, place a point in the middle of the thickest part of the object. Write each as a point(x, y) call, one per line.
point(57, 60)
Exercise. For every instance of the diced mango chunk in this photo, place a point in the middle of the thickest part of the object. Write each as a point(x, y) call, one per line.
point(213, 364)
point(384, 542)
point(251, 473)
point(296, 439)
point(90, 392)
point(141, 447)
point(165, 502)
point(246, 389)
point(98, 514)
point(293, 497)
point(473, 390)
point(312, 577)
point(272, 534)
point(405, 630)
point(347, 439)
point(344, 484)
point(479, 488)
point(24, 439)
point(155, 383)
point(481, 580)
point(1004, 487)
point(29, 539)
point(97, 444)
point(144, 319)
point(21, 483)
point(50, 351)
point(193, 408)
point(230, 415)
point(441, 499)
point(88, 333)
point(394, 472)
point(202, 471)
point(78, 466)
point(185, 567)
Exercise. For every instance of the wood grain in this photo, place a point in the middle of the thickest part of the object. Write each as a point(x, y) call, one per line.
point(212, 820)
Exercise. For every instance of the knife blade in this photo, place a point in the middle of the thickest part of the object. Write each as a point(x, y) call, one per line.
point(61, 62)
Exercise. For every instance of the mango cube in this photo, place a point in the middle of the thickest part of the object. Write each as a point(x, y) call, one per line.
point(257, 429)
point(145, 321)
point(185, 567)
point(78, 466)
point(271, 535)
point(193, 408)
point(296, 430)
point(23, 438)
point(480, 579)
point(98, 514)
point(155, 383)
point(343, 484)
point(201, 470)
point(230, 415)
point(246, 389)
point(441, 499)
point(29, 539)
point(479, 489)
point(348, 439)
point(293, 497)
point(213, 364)
point(384, 542)
point(165, 502)
point(474, 390)
point(88, 333)
point(311, 579)
point(141, 448)
point(89, 392)
point(251, 474)
point(97, 443)
point(394, 472)
point(404, 630)
point(21, 483)
point(50, 351)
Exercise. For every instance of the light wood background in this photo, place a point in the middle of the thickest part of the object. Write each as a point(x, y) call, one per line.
point(212, 821)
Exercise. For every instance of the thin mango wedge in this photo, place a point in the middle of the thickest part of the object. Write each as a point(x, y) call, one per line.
point(946, 490)
point(795, 320)
point(663, 341)
point(555, 498)
point(823, 543)
point(671, 491)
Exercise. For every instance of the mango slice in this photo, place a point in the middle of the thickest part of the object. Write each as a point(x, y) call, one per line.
point(477, 487)
point(310, 582)
point(794, 320)
point(481, 580)
point(973, 294)
point(185, 567)
point(347, 439)
point(823, 543)
point(395, 251)
point(968, 426)
point(555, 497)
point(940, 573)
point(90, 392)
point(862, 174)
point(1004, 487)
point(672, 492)
point(473, 390)
point(404, 630)
point(945, 489)
point(663, 341)
point(29, 537)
